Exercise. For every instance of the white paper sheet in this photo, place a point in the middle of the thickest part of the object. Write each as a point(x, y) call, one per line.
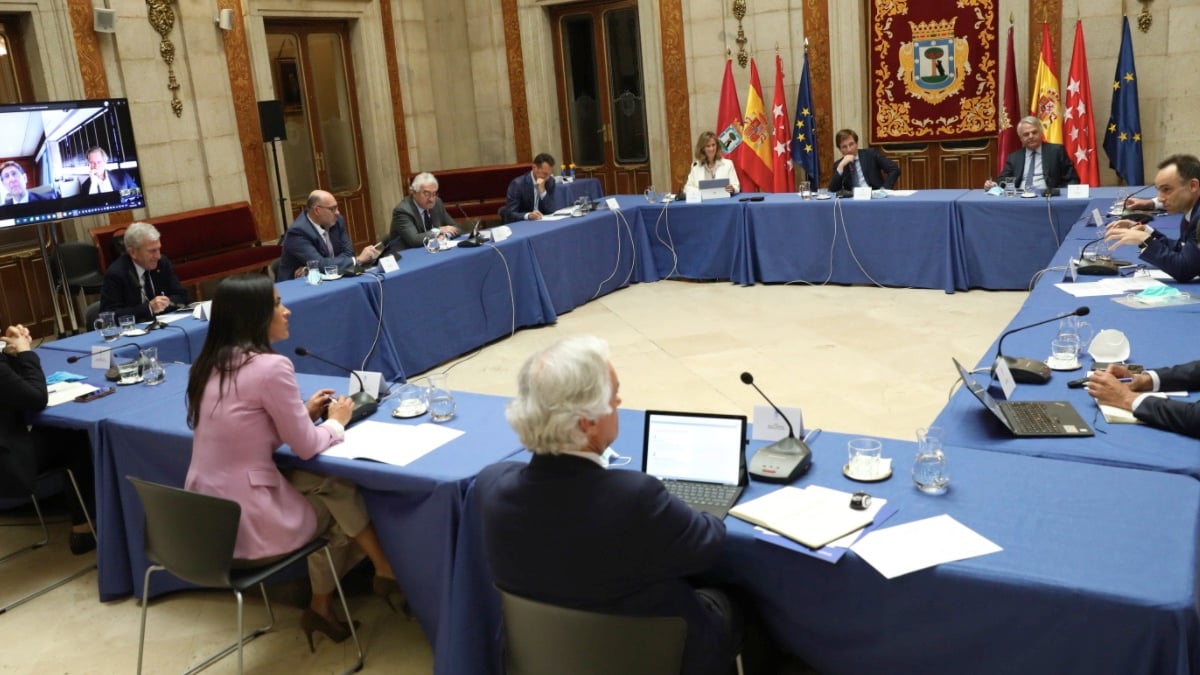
point(396, 444)
point(67, 391)
point(896, 551)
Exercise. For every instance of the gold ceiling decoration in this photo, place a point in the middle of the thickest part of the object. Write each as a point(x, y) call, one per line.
point(162, 20)
point(739, 12)
point(1144, 18)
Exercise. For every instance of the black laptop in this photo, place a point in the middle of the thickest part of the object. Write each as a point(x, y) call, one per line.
point(1028, 418)
point(699, 457)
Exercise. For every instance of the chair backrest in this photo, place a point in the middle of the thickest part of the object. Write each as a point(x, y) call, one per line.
point(190, 534)
point(543, 639)
point(79, 258)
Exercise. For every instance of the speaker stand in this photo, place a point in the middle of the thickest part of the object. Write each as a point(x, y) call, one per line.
point(283, 219)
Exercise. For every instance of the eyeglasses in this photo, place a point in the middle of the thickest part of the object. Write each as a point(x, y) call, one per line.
point(333, 208)
point(428, 194)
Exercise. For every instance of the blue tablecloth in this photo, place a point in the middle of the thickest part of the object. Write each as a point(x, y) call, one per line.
point(898, 241)
point(705, 241)
point(1098, 573)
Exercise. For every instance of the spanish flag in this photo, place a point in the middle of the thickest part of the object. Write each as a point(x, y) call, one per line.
point(758, 139)
point(1047, 104)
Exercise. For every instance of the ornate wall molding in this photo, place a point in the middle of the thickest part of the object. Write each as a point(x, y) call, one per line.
point(249, 129)
point(516, 79)
point(162, 20)
point(816, 29)
point(675, 89)
point(391, 49)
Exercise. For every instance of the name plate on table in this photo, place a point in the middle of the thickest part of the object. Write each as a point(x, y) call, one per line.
point(862, 193)
point(1078, 191)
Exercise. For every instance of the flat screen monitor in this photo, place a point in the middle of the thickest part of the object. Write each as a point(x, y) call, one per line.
point(65, 159)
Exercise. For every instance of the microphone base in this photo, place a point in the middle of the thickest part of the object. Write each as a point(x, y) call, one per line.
point(783, 461)
point(1027, 371)
point(1098, 268)
point(365, 405)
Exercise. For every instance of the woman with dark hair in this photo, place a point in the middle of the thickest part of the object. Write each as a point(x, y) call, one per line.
point(243, 403)
point(710, 165)
point(26, 452)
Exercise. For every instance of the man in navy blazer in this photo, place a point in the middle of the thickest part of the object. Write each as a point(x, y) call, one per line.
point(101, 178)
point(1182, 417)
point(565, 530)
point(861, 164)
point(1052, 167)
point(141, 282)
point(306, 239)
point(1178, 181)
point(530, 195)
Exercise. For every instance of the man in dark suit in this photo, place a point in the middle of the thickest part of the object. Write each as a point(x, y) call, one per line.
point(1182, 417)
point(1052, 168)
point(861, 167)
point(1178, 181)
point(101, 178)
point(529, 195)
point(141, 282)
point(567, 531)
point(319, 233)
point(421, 214)
point(16, 184)
point(25, 452)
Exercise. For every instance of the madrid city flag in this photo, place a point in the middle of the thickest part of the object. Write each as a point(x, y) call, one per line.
point(1078, 125)
point(781, 124)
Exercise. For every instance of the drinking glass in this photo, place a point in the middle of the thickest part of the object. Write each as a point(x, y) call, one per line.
point(1010, 189)
point(433, 243)
point(129, 372)
point(331, 270)
point(865, 454)
point(1065, 348)
point(410, 401)
point(805, 190)
point(929, 468)
point(126, 322)
point(106, 324)
point(313, 276)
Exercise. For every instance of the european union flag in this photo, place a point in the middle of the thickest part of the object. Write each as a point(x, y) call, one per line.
point(804, 131)
point(1123, 135)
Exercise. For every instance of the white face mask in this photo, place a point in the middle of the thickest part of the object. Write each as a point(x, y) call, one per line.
point(609, 458)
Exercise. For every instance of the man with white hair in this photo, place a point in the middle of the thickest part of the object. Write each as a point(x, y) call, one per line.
point(565, 530)
point(141, 282)
point(421, 214)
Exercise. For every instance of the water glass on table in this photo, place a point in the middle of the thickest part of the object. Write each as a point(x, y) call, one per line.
point(107, 326)
point(929, 468)
point(439, 398)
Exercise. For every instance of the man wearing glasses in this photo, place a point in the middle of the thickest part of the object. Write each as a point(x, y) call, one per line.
point(319, 233)
point(421, 214)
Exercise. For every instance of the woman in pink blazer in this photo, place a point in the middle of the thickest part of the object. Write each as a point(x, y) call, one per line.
point(244, 403)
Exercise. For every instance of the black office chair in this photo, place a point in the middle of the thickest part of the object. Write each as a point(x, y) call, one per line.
point(80, 273)
point(543, 639)
point(192, 536)
point(29, 490)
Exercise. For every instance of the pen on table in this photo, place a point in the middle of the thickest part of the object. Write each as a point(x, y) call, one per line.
point(811, 436)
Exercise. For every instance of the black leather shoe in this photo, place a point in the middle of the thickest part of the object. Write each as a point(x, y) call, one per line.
point(82, 542)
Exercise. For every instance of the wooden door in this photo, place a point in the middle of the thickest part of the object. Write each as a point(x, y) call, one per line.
point(602, 93)
point(311, 67)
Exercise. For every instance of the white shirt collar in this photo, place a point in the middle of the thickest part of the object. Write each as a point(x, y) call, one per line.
point(590, 456)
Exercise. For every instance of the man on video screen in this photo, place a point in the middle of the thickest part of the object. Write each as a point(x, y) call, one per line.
point(101, 178)
point(16, 185)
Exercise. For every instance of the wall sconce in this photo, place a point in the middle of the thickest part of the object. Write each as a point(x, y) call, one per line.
point(104, 20)
point(225, 19)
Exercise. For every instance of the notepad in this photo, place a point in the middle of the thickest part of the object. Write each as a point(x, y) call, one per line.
point(812, 517)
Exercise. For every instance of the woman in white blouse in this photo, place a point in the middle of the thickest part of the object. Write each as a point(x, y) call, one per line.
point(710, 165)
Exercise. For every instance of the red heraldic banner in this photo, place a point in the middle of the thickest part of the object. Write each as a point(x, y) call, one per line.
point(934, 69)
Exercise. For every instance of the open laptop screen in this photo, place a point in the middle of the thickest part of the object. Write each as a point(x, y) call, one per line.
point(980, 392)
point(694, 446)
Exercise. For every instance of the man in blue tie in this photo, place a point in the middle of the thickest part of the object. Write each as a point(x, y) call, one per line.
point(1178, 183)
point(421, 214)
point(1040, 165)
point(319, 233)
point(529, 195)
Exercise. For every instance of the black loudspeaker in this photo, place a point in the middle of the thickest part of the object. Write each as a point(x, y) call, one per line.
point(270, 118)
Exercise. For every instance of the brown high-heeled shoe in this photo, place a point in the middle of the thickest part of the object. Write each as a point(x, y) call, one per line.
point(311, 622)
point(385, 587)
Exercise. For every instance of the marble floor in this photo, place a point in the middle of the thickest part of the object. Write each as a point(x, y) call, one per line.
point(868, 360)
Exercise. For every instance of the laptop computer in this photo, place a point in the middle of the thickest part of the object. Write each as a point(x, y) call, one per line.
point(714, 189)
point(1028, 418)
point(699, 457)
